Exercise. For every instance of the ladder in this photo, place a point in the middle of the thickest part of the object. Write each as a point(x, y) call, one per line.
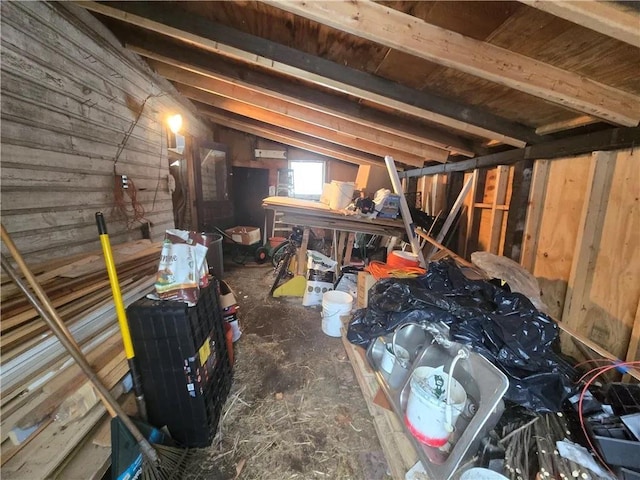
point(284, 183)
point(284, 188)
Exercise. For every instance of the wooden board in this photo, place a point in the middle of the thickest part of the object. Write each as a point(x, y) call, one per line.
point(562, 207)
point(397, 448)
point(615, 290)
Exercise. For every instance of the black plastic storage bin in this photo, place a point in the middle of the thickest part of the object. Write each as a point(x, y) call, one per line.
point(184, 365)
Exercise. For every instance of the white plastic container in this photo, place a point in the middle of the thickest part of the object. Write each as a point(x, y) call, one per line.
point(426, 414)
point(340, 194)
point(334, 305)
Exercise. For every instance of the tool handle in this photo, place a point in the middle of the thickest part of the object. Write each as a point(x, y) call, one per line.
point(115, 286)
point(122, 316)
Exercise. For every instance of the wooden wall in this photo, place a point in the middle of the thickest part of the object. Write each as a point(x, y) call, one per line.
point(70, 98)
point(582, 245)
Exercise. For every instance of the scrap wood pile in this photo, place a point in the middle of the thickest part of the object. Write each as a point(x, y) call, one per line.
point(49, 412)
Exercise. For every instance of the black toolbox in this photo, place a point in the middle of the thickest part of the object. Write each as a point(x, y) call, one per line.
point(184, 365)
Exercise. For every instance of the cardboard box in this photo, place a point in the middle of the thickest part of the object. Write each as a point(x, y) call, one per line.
point(244, 235)
point(365, 282)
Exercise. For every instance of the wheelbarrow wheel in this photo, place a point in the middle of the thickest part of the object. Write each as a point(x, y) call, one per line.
point(261, 255)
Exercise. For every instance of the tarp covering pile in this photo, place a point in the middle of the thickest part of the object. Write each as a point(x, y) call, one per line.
point(502, 326)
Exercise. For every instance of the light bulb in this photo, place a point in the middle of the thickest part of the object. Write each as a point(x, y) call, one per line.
point(175, 122)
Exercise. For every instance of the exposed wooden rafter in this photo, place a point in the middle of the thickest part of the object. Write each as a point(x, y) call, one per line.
point(609, 18)
point(335, 130)
point(287, 137)
point(414, 36)
point(566, 125)
point(197, 31)
point(375, 122)
point(266, 116)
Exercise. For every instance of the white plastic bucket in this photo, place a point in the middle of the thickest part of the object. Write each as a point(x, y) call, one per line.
point(426, 414)
point(334, 305)
point(389, 358)
point(340, 194)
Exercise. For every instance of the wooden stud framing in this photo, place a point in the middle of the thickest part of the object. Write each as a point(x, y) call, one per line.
point(414, 36)
point(534, 213)
point(470, 203)
point(589, 235)
point(497, 214)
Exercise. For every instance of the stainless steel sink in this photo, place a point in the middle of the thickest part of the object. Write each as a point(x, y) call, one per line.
point(483, 382)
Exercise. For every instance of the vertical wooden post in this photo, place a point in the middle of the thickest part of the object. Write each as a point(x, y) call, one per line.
point(589, 236)
point(534, 213)
point(191, 156)
point(470, 203)
point(497, 214)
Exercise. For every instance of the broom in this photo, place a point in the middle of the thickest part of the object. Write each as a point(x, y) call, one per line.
point(162, 462)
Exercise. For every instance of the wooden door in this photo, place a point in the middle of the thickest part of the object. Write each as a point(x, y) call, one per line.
point(213, 185)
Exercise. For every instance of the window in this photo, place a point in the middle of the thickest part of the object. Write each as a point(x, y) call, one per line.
point(308, 179)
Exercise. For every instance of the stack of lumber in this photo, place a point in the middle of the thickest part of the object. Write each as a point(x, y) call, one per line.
point(52, 423)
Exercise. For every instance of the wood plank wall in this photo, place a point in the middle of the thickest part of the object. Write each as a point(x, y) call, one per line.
point(587, 258)
point(70, 93)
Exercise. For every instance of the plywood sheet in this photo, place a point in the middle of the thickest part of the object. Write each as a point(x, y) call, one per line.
point(615, 290)
point(558, 229)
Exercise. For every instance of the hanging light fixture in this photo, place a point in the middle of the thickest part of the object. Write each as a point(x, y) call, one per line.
point(175, 122)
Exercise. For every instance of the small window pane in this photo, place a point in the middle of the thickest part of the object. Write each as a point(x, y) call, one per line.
point(308, 178)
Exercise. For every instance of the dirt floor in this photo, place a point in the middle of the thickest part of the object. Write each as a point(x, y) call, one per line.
point(295, 409)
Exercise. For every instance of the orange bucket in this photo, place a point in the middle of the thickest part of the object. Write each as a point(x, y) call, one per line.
point(228, 334)
point(400, 259)
point(275, 241)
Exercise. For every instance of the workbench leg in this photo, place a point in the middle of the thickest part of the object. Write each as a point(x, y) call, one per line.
point(341, 242)
point(302, 252)
point(349, 251)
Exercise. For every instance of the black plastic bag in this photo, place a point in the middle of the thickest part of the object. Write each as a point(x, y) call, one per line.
point(502, 326)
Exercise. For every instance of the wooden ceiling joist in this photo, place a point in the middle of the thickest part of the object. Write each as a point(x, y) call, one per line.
point(304, 118)
point(287, 137)
point(566, 125)
point(414, 36)
point(266, 116)
point(376, 123)
point(197, 31)
point(608, 18)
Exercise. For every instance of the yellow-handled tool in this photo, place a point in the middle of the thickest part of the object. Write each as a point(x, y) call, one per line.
point(122, 315)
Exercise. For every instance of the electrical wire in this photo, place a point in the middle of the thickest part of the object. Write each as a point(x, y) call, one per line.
point(381, 270)
point(137, 211)
point(599, 371)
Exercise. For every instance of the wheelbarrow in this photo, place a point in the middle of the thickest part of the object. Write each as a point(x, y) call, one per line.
point(241, 253)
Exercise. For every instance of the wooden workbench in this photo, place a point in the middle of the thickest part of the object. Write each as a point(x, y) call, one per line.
point(315, 214)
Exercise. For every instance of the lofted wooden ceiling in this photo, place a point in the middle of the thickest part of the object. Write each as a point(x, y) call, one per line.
point(425, 82)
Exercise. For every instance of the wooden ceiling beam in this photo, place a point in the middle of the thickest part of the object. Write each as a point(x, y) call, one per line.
point(377, 123)
point(198, 31)
point(612, 139)
point(608, 18)
point(566, 125)
point(287, 137)
point(414, 36)
point(282, 121)
point(331, 128)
